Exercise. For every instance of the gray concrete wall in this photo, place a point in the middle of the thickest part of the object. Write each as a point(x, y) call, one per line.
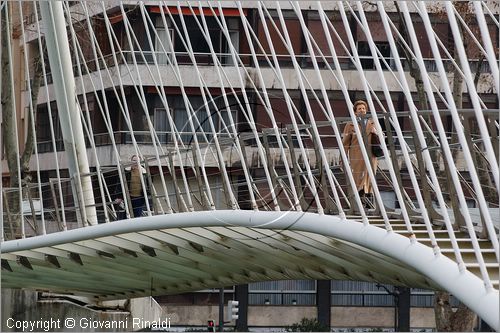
point(279, 315)
point(269, 316)
point(362, 317)
point(422, 317)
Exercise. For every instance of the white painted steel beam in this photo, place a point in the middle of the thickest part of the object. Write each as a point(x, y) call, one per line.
point(69, 114)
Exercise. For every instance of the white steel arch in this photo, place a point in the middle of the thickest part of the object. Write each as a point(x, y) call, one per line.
point(442, 271)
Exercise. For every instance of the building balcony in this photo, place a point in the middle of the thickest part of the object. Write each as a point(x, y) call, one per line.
point(155, 69)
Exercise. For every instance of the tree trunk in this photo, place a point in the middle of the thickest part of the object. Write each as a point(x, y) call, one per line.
point(447, 320)
point(30, 138)
point(442, 311)
point(9, 124)
point(9, 133)
point(9, 136)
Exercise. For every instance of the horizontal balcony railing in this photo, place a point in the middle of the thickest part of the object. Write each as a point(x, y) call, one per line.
point(147, 137)
point(225, 59)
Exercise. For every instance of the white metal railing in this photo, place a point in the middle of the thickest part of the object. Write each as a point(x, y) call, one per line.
point(204, 59)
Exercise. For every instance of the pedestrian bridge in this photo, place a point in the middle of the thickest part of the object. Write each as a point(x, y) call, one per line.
point(242, 168)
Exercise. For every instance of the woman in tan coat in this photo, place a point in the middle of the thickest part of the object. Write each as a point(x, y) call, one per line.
point(353, 150)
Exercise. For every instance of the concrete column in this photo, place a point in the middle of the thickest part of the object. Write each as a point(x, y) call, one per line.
point(221, 309)
point(404, 306)
point(241, 295)
point(324, 301)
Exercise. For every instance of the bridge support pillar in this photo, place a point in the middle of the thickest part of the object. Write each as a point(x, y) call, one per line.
point(241, 295)
point(404, 306)
point(324, 301)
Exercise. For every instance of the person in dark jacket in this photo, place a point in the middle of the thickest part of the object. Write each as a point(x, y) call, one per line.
point(134, 173)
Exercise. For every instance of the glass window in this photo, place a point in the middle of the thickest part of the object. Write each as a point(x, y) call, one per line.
point(182, 124)
point(283, 285)
point(366, 55)
point(286, 292)
point(163, 40)
point(160, 123)
point(195, 116)
point(198, 40)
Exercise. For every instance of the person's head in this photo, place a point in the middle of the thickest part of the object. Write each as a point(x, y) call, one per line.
point(360, 108)
point(135, 161)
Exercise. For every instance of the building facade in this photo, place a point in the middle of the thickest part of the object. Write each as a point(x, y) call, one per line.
point(155, 79)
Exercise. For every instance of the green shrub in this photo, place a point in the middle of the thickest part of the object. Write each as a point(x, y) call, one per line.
point(308, 325)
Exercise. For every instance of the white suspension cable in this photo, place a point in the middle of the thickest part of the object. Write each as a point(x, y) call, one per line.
point(97, 54)
point(268, 109)
point(206, 34)
point(302, 87)
point(487, 41)
point(422, 141)
point(328, 113)
point(236, 59)
point(161, 92)
point(154, 137)
point(438, 122)
point(176, 136)
point(450, 59)
point(399, 134)
point(287, 100)
point(357, 130)
point(490, 14)
point(140, 93)
point(51, 126)
point(198, 157)
point(387, 95)
point(323, 16)
point(206, 104)
point(87, 128)
point(254, 86)
point(32, 124)
point(467, 155)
